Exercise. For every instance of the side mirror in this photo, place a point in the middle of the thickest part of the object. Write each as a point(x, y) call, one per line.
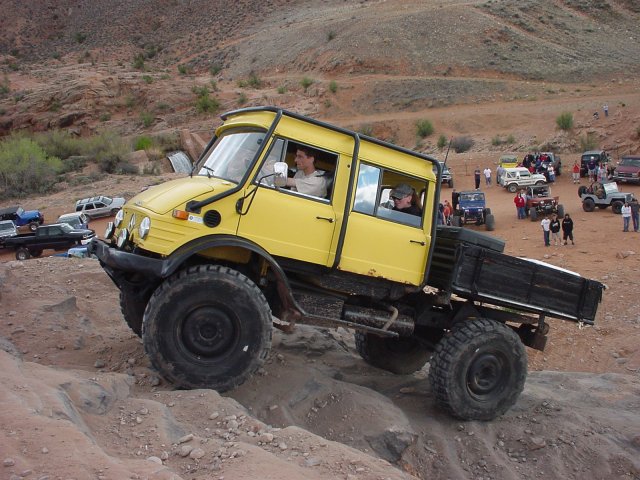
point(280, 169)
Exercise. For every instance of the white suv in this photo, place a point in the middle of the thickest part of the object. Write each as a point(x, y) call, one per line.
point(514, 179)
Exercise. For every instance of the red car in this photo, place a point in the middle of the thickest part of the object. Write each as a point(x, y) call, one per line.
point(628, 170)
point(541, 203)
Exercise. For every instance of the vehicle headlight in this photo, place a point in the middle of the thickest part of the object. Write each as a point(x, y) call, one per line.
point(122, 237)
point(108, 232)
point(132, 222)
point(145, 226)
point(119, 217)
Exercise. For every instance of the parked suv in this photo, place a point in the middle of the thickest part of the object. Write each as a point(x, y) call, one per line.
point(447, 175)
point(513, 179)
point(596, 156)
point(7, 229)
point(21, 217)
point(628, 170)
point(76, 220)
point(101, 206)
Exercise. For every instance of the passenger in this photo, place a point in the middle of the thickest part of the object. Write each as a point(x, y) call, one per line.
point(405, 200)
point(307, 179)
point(598, 190)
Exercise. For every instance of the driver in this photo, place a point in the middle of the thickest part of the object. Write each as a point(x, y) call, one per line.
point(405, 200)
point(307, 179)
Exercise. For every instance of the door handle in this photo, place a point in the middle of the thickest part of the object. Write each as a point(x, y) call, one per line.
point(328, 219)
point(421, 242)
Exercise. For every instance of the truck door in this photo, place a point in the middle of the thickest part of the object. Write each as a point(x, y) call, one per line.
point(286, 222)
point(381, 241)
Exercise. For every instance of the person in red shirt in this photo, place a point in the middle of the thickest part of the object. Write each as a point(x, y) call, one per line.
point(447, 212)
point(520, 202)
point(576, 172)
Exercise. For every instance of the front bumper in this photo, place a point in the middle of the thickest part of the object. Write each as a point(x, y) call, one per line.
point(114, 260)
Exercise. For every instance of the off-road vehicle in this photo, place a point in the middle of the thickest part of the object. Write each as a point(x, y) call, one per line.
point(541, 203)
point(206, 264)
point(472, 208)
point(447, 174)
point(595, 157)
point(514, 179)
point(21, 217)
point(602, 195)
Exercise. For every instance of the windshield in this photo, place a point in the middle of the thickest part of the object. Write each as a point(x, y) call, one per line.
point(472, 197)
point(106, 200)
point(19, 211)
point(66, 227)
point(7, 226)
point(231, 155)
point(630, 162)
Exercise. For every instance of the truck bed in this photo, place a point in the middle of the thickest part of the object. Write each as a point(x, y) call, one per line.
point(476, 271)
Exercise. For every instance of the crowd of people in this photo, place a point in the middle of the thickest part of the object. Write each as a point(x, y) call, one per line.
point(551, 226)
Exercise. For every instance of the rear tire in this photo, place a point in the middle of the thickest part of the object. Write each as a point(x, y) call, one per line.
point(450, 183)
point(533, 214)
point(540, 182)
point(33, 226)
point(588, 205)
point(490, 223)
point(616, 207)
point(396, 355)
point(560, 211)
point(207, 327)
point(478, 371)
point(582, 190)
point(512, 187)
point(22, 254)
point(455, 221)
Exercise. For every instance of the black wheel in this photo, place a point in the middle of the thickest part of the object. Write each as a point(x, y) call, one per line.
point(487, 211)
point(540, 182)
point(582, 190)
point(22, 254)
point(512, 187)
point(450, 182)
point(207, 327)
point(33, 226)
point(588, 205)
point(616, 207)
point(114, 211)
point(560, 211)
point(478, 371)
point(455, 221)
point(533, 214)
point(402, 355)
point(490, 223)
point(132, 307)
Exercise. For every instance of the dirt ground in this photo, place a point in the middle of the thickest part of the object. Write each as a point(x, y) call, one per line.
point(79, 399)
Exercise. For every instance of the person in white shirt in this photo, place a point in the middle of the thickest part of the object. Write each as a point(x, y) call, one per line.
point(546, 228)
point(626, 216)
point(307, 179)
point(487, 176)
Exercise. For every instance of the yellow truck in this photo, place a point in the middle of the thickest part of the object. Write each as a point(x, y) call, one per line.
point(286, 219)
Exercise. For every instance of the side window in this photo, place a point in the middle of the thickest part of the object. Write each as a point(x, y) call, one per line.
point(389, 195)
point(89, 206)
point(266, 174)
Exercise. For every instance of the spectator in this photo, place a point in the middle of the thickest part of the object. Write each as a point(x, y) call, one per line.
point(520, 203)
point(551, 174)
point(455, 200)
point(576, 172)
point(626, 216)
point(554, 226)
point(440, 214)
point(635, 209)
point(591, 166)
point(447, 212)
point(601, 173)
point(487, 176)
point(499, 173)
point(567, 229)
point(605, 107)
point(476, 175)
point(546, 230)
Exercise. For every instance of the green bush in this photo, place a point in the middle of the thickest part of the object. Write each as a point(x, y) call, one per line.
point(462, 144)
point(589, 142)
point(333, 86)
point(564, 121)
point(59, 143)
point(366, 129)
point(147, 119)
point(282, 89)
point(215, 69)
point(442, 142)
point(205, 103)
point(143, 143)
point(105, 116)
point(126, 168)
point(254, 81)
point(80, 37)
point(511, 139)
point(148, 79)
point(4, 86)
point(26, 168)
point(242, 99)
point(138, 61)
point(424, 128)
point(306, 82)
point(331, 35)
point(108, 149)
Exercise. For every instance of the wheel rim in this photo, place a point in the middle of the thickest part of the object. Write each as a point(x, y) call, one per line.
point(209, 332)
point(487, 375)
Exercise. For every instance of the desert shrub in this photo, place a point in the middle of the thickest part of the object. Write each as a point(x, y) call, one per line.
point(215, 69)
point(143, 143)
point(80, 37)
point(282, 89)
point(59, 143)
point(107, 149)
point(442, 142)
point(126, 168)
point(331, 35)
point(152, 168)
point(333, 86)
point(638, 132)
point(254, 81)
point(242, 99)
point(138, 61)
point(306, 82)
point(564, 121)
point(168, 141)
point(589, 142)
point(148, 79)
point(26, 168)
point(147, 119)
point(424, 128)
point(366, 129)
point(462, 144)
point(105, 116)
point(511, 139)
point(5, 87)
point(184, 69)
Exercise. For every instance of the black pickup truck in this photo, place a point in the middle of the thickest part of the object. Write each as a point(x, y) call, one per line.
point(57, 236)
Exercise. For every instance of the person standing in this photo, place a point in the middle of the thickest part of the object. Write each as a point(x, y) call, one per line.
point(546, 230)
point(605, 107)
point(487, 176)
point(520, 203)
point(476, 175)
point(447, 212)
point(626, 216)
point(576, 172)
point(635, 213)
point(499, 172)
point(455, 200)
point(554, 226)
point(567, 229)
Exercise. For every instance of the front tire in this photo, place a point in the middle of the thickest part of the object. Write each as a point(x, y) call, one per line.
point(33, 226)
point(616, 207)
point(456, 221)
point(478, 371)
point(132, 308)
point(402, 355)
point(533, 214)
point(588, 205)
point(490, 223)
point(22, 254)
point(512, 187)
point(560, 210)
point(540, 182)
point(207, 327)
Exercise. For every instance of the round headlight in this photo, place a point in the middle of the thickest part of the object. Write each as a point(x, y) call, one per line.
point(132, 221)
point(108, 232)
point(119, 217)
point(122, 237)
point(144, 227)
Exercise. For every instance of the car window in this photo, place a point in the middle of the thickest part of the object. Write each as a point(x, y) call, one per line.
point(89, 206)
